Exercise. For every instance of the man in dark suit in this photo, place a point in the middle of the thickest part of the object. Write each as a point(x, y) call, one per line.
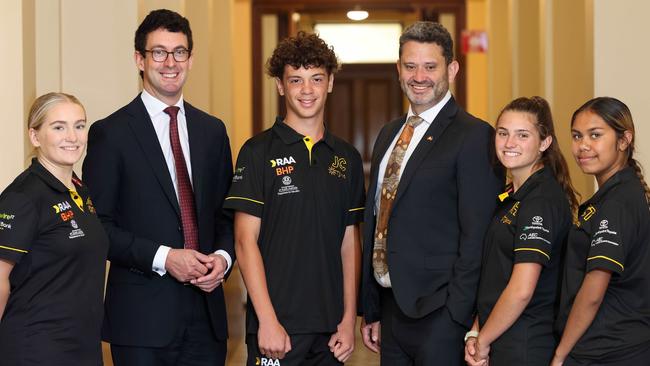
point(432, 192)
point(159, 171)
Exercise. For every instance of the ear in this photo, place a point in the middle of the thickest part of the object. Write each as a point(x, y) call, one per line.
point(278, 84)
point(33, 137)
point(625, 140)
point(331, 83)
point(452, 70)
point(545, 143)
point(139, 60)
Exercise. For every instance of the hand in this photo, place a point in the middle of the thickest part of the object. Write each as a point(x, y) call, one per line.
point(371, 335)
point(471, 353)
point(342, 342)
point(482, 351)
point(557, 360)
point(216, 270)
point(186, 264)
point(273, 341)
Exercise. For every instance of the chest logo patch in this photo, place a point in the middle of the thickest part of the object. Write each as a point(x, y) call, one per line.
point(338, 167)
point(286, 180)
point(586, 215)
point(76, 231)
point(61, 206)
point(283, 165)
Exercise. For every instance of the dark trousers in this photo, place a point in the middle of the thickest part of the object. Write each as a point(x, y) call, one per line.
point(306, 350)
point(435, 339)
point(638, 355)
point(194, 345)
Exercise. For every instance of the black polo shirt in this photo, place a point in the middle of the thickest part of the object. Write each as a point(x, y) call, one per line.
point(530, 226)
point(54, 312)
point(612, 234)
point(305, 196)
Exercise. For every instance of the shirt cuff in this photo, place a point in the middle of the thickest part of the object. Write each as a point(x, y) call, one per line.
point(160, 259)
point(226, 256)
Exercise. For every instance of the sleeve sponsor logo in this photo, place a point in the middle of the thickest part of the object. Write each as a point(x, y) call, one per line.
point(536, 224)
point(239, 174)
point(4, 216)
point(338, 167)
point(4, 225)
point(600, 240)
point(534, 236)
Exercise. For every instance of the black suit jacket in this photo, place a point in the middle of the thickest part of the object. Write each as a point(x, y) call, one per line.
point(135, 200)
point(444, 203)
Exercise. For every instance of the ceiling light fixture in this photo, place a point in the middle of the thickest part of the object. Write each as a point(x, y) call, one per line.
point(357, 14)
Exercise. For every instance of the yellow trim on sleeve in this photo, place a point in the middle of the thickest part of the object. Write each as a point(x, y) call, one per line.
point(356, 209)
point(606, 258)
point(244, 198)
point(14, 249)
point(533, 250)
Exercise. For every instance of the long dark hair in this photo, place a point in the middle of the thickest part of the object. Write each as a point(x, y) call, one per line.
point(551, 157)
point(617, 116)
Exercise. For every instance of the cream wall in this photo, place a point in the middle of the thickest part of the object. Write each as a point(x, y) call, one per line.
point(11, 99)
point(621, 59)
point(85, 47)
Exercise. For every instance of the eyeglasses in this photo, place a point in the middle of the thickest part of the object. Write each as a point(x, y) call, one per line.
point(160, 55)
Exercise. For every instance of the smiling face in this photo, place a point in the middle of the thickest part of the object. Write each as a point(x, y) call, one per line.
point(424, 75)
point(518, 143)
point(61, 138)
point(597, 148)
point(164, 80)
point(305, 91)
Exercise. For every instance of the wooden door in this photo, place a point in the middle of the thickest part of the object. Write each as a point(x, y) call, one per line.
point(364, 98)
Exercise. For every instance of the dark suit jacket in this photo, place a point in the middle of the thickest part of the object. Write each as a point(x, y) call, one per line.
point(137, 204)
point(444, 203)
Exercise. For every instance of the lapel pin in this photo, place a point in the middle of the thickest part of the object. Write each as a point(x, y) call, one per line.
point(429, 138)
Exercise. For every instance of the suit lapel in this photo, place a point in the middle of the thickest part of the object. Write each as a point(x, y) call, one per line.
point(142, 128)
point(438, 126)
point(197, 147)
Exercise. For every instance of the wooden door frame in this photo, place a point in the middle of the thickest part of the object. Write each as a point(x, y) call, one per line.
point(427, 10)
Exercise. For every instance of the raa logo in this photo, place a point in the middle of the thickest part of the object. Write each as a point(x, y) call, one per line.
point(61, 206)
point(263, 361)
point(279, 165)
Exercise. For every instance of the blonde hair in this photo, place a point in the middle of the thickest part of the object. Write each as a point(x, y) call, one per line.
point(43, 104)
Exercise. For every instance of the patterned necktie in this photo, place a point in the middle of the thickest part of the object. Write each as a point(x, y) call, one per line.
point(185, 193)
point(388, 193)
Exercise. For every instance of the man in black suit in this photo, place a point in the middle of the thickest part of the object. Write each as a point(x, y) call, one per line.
point(432, 192)
point(159, 171)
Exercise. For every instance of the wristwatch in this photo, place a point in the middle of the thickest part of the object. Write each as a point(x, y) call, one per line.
point(470, 334)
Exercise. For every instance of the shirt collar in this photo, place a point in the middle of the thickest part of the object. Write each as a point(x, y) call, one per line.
point(290, 136)
point(49, 179)
point(530, 183)
point(430, 114)
point(155, 106)
point(624, 175)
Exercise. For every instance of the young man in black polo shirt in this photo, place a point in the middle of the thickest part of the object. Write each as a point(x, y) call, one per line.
point(298, 194)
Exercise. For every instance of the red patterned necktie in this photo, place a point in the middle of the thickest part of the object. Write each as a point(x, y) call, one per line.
point(388, 193)
point(185, 193)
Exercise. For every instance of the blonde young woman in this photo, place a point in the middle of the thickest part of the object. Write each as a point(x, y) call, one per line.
point(52, 248)
point(523, 245)
point(605, 302)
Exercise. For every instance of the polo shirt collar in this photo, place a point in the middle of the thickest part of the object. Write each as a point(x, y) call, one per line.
point(533, 181)
point(49, 179)
point(290, 136)
point(624, 175)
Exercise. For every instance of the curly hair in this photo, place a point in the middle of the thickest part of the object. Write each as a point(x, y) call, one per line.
point(303, 50)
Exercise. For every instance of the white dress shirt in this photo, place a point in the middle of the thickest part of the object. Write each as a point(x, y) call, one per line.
point(418, 133)
point(160, 119)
